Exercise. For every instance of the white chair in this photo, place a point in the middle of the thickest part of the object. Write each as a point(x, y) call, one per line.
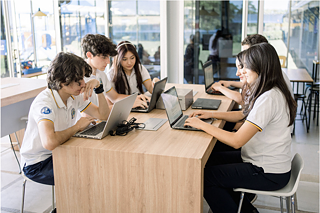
point(287, 192)
point(25, 178)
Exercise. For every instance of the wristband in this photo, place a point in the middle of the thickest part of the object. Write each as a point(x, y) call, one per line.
point(99, 89)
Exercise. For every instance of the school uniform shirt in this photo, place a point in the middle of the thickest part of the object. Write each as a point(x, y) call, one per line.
point(270, 148)
point(107, 86)
point(48, 106)
point(132, 79)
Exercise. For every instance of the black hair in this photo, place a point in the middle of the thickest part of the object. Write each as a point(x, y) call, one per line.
point(98, 45)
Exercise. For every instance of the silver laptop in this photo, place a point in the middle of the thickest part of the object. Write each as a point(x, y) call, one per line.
point(119, 112)
point(209, 80)
point(174, 112)
point(158, 88)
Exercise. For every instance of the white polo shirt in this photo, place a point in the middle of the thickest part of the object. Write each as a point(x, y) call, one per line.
point(271, 147)
point(132, 79)
point(107, 86)
point(48, 105)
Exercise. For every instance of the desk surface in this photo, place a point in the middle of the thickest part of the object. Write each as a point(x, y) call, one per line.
point(298, 75)
point(20, 89)
point(33, 74)
point(145, 171)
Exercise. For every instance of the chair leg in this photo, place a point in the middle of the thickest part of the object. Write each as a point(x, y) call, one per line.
point(23, 193)
point(15, 155)
point(292, 204)
point(281, 204)
point(240, 203)
point(288, 202)
point(53, 205)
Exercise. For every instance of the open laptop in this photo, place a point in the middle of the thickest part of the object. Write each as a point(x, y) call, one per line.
point(209, 80)
point(119, 112)
point(206, 103)
point(158, 88)
point(174, 112)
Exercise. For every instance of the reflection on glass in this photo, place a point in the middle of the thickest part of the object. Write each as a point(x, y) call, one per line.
point(252, 27)
point(4, 56)
point(275, 22)
point(139, 23)
point(304, 35)
point(79, 18)
point(212, 31)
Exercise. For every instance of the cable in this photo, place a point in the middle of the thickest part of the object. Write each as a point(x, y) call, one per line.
point(127, 126)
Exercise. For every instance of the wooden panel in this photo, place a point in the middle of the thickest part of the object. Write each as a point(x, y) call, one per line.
point(23, 89)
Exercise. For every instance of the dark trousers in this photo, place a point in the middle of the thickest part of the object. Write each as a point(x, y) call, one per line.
point(225, 171)
point(41, 172)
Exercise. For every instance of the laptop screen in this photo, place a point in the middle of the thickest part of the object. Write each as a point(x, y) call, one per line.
point(208, 75)
point(172, 105)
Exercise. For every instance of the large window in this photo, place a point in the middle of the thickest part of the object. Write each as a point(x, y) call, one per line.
point(79, 18)
point(139, 23)
point(4, 53)
point(203, 22)
point(304, 35)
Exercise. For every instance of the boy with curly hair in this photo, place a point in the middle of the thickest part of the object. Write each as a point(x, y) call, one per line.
point(52, 118)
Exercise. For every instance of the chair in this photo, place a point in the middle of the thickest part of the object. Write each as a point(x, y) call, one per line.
point(286, 192)
point(25, 178)
point(283, 60)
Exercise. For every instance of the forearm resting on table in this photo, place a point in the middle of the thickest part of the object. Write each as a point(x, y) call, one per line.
point(234, 95)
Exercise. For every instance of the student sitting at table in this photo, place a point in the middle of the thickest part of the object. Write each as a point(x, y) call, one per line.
point(264, 162)
point(127, 73)
point(222, 86)
point(52, 118)
point(97, 50)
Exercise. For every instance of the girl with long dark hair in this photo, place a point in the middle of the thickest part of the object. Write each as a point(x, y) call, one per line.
point(264, 162)
point(127, 73)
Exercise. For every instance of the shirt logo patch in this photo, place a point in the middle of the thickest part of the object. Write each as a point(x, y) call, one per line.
point(46, 110)
point(73, 113)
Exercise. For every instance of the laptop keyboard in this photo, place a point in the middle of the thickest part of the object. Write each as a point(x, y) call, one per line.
point(95, 129)
point(182, 121)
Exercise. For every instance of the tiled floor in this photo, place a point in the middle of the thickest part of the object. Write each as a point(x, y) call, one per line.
point(38, 196)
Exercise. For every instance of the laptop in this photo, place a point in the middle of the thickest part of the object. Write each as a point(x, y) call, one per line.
point(119, 112)
point(205, 103)
point(174, 112)
point(158, 88)
point(209, 80)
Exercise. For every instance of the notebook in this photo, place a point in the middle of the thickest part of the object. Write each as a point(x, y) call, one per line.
point(174, 111)
point(158, 88)
point(119, 112)
point(205, 103)
point(209, 80)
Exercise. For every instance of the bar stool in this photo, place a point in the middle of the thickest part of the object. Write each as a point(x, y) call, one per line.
point(313, 97)
point(25, 178)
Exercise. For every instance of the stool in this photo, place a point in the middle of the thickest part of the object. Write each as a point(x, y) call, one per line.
point(287, 192)
point(25, 178)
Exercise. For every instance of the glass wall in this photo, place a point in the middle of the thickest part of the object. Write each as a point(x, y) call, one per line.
point(78, 18)
point(212, 31)
point(275, 25)
point(139, 23)
point(4, 54)
point(304, 34)
point(253, 17)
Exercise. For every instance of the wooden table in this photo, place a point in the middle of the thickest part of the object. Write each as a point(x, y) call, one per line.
point(36, 74)
point(17, 95)
point(145, 171)
point(298, 75)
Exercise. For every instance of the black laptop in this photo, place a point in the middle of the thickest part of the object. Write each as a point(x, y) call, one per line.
point(174, 112)
point(206, 103)
point(157, 90)
point(209, 80)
